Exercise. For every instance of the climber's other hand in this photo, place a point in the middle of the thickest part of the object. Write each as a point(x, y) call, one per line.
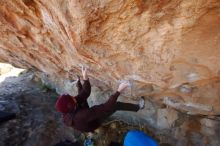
point(84, 73)
point(122, 86)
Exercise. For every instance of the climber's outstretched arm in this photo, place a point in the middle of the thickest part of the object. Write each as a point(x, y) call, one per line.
point(103, 110)
point(86, 88)
point(85, 92)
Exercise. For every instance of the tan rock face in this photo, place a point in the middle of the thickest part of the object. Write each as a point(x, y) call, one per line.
point(168, 50)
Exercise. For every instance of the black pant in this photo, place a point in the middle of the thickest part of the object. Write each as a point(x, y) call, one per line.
point(121, 106)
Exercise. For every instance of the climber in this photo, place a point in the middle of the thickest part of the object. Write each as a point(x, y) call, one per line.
point(77, 113)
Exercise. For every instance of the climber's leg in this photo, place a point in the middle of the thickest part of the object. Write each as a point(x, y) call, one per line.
point(120, 106)
point(127, 107)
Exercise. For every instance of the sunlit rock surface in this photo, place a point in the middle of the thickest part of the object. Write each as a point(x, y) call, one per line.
point(168, 45)
point(168, 50)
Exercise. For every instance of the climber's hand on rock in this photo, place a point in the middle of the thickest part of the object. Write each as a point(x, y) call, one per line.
point(122, 86)
point(84, 73)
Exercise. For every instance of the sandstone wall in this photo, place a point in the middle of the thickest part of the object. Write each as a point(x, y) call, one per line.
point(168, 50)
